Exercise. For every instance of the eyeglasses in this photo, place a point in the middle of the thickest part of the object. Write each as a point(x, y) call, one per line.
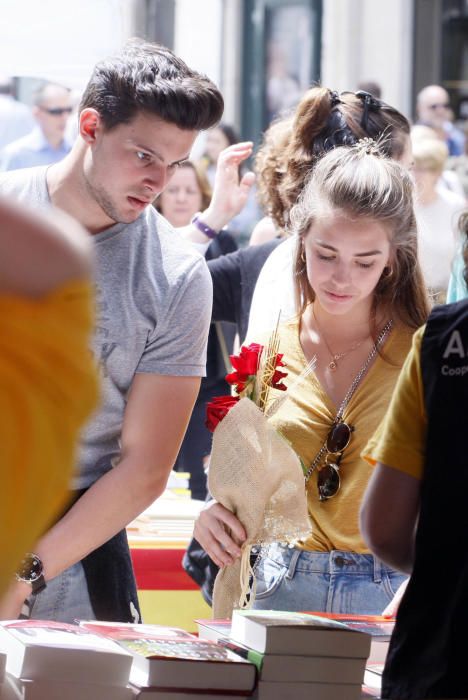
point(57, 111)
point(328, 480)
point(440, 105)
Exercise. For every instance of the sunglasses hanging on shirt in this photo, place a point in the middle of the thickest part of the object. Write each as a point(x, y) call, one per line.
point(328, 460)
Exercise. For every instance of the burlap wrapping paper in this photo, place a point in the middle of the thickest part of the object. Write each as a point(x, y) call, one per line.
point(257, 475)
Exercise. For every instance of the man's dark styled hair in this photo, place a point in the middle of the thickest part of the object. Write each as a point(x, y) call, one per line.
point(146, 77)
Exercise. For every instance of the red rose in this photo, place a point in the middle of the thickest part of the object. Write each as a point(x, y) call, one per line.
point(245, 365)
point(217, 409)
point(276, 382)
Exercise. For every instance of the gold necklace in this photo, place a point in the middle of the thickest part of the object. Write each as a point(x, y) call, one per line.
point(333, 365)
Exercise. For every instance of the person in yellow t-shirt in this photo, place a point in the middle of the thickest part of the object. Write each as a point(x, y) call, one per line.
point(414, 513)
point(360, 297)
point(48, 383)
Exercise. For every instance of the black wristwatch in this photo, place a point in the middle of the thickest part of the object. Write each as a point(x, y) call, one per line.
point(31, 570)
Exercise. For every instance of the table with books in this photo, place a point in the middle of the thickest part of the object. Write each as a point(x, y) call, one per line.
point(265, 655)
point(158, 539)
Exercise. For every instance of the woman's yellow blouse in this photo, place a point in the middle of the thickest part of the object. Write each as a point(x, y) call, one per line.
point(48, 387)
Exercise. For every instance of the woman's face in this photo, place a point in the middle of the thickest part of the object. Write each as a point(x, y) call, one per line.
point(182, 198)
point(216, 141)
point(345, 258)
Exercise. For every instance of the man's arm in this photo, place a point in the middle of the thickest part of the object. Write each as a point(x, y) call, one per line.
point(155, 420)
point(389, 515)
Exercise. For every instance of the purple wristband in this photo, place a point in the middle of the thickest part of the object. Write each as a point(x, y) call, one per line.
point(204, 228)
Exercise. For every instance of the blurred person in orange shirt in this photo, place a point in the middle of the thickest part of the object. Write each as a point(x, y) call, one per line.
point(48, 383)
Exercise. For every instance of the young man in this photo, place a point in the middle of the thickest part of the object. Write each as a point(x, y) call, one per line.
point(139, 117)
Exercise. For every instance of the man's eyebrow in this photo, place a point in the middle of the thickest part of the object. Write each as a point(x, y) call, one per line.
point(356, 255)
point(158, 155)
point(182, 160)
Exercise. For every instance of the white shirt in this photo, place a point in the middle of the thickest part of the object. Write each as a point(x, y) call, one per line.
point(274, 291)
point(438, 236)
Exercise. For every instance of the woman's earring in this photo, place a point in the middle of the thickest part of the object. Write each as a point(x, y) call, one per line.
point(303, 257)
point(387, 272)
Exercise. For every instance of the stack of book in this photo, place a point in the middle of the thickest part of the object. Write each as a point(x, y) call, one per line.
point(170, 519)
point(380, 628)
point(53, 661)
point(171, 664)
point(298, 655)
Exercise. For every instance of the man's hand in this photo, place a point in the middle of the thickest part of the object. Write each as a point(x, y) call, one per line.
point(12, 601)
point(220, 533)
point(229, 193)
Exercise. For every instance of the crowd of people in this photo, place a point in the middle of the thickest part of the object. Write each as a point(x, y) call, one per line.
point(360, 245)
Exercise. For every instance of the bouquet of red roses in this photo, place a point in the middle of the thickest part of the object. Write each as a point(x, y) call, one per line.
point(254, 471)
point(247, 380)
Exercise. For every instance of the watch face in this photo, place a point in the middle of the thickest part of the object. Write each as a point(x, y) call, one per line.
point(30, 568)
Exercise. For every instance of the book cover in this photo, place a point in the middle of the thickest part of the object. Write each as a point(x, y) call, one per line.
point(127, 630)
point(42, 649)
point(297, 634)
point(189, 663)
point(375, 625)
point(169, 657)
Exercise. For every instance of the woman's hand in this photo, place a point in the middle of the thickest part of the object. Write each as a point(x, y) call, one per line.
point(220, 533)
point(229, 193)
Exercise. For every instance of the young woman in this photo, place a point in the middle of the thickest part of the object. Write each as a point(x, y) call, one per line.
point(360, 297)
point(323, 120)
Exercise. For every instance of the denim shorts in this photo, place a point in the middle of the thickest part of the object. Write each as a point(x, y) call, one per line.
point(291, 579)
point(65, 599)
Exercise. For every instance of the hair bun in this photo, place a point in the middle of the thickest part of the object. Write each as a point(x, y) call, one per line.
point(367, 146)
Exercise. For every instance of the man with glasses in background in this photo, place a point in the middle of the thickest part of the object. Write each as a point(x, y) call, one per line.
point(47, 142)
point(433, 110)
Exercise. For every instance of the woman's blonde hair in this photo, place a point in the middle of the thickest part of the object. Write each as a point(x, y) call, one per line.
point(429, 154)
point(360, 182)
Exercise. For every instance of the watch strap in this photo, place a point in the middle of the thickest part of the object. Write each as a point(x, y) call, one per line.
point(38, 585)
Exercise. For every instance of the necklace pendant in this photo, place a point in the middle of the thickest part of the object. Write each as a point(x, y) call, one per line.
point(332, 366)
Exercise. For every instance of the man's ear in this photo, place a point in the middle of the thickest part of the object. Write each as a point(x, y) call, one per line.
point(90, 123)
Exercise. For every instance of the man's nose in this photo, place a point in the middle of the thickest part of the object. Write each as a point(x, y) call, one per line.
point(157, 178)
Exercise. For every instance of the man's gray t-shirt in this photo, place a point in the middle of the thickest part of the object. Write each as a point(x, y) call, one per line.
point(154, 300)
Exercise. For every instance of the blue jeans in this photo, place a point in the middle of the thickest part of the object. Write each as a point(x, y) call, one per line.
point(341, 582)
point(65, 599)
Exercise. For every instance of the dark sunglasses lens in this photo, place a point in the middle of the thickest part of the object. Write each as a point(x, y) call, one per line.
point(328, 482)
point(58, 111)
point(338, 437)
